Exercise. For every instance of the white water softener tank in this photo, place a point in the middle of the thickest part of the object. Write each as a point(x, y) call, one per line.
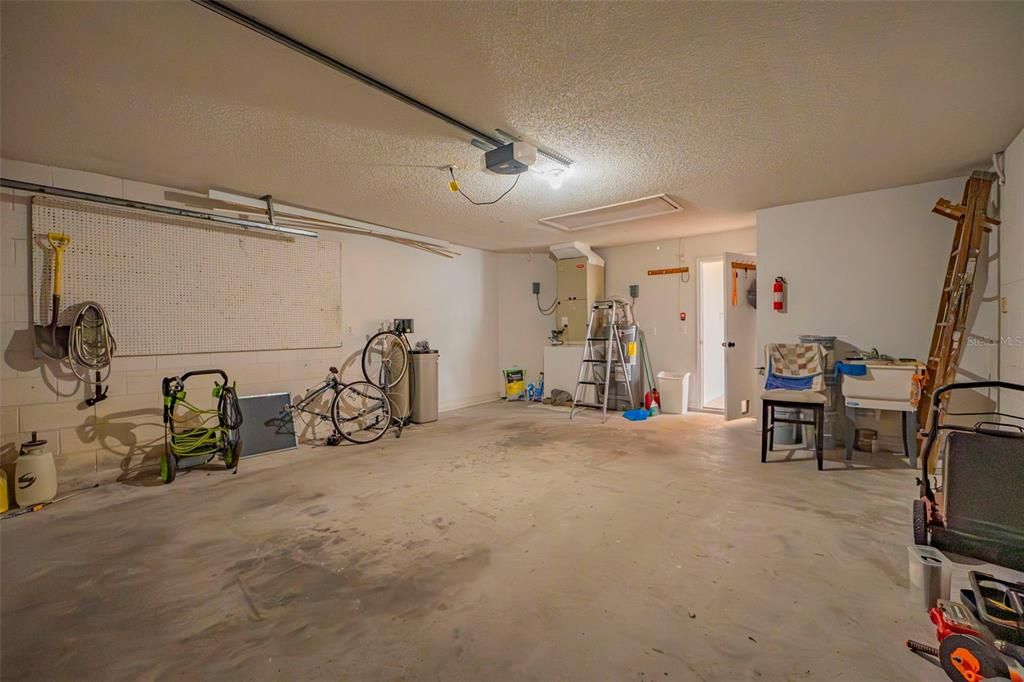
point(35, 475)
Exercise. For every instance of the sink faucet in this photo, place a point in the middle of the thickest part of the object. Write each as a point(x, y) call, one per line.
point(875, 355)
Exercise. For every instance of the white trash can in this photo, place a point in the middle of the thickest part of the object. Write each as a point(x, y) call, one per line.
point(674, 388)
point(930, 575)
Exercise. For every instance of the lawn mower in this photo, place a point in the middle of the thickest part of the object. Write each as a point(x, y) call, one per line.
point(978, 511)
point(194, 436)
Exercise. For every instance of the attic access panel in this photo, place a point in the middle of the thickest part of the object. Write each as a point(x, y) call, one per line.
point(636, 209)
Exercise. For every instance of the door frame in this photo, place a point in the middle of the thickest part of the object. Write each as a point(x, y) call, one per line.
point(754, 401)
point(700, 331)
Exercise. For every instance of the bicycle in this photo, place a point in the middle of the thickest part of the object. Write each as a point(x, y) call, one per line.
point(359, 411)
point(386, 355)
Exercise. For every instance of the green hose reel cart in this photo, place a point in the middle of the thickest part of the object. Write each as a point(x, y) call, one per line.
point(194, 436)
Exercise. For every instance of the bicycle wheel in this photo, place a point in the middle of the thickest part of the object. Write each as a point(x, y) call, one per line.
point(385, 359)
point(361, 412)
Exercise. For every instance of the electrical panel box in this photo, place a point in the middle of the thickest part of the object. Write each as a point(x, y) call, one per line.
point(580, 283)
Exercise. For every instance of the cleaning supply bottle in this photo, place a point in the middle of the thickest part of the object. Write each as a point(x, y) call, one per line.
point(5, 503)
point(539, 395)
point(35, 474)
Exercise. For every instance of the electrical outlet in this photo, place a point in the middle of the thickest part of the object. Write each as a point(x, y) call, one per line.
point(348, 330)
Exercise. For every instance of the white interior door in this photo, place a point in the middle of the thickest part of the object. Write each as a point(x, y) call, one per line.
point(740, 337)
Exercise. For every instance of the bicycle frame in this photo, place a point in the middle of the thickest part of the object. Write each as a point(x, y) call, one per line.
point(332, 383)
point(335, 384)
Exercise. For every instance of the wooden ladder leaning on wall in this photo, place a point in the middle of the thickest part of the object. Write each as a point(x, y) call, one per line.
point(954, 303)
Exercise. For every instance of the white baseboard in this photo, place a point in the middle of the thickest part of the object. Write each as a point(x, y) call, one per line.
point(467, 402)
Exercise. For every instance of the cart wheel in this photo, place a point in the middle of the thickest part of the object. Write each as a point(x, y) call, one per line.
point(232, 455)
point(168, 467)
point(920, 523)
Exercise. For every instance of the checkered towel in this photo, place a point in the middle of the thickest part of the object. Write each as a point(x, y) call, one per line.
point(796, 360)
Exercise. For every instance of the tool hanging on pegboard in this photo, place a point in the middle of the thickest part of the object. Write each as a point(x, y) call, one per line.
point(91, 349)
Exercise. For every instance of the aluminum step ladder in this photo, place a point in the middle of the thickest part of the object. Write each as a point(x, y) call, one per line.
point(603, 336)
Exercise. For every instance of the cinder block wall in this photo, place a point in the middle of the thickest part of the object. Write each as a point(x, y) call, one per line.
point(454, 303)
point(124, 432)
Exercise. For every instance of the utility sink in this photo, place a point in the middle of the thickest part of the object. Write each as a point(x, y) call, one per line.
point(888, 384)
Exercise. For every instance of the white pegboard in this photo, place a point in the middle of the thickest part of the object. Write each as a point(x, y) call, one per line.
point(178, 285)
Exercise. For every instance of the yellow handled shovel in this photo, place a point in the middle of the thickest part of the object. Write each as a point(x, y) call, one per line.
point(51, 339)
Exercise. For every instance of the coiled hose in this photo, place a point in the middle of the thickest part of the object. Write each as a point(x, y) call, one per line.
point(201, 439)
point(91, 346)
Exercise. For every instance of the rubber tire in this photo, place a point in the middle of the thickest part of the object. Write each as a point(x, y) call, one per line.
point(387, 412)
point(363, 360)
point(232, 456)
point(168, 467)
point(920, 523)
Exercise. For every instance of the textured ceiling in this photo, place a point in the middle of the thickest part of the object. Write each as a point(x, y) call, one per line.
point(726, 107)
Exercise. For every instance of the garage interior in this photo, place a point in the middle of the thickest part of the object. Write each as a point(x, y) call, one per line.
point(512, 340)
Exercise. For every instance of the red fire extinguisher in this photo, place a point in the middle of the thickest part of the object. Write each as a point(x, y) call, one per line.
point(778, 294)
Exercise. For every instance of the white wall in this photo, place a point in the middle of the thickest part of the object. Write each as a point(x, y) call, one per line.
point(522, 330)
point(1011, 276)
point(869, 268)
point(454, 304)
point(865, 267)
point(671, 343)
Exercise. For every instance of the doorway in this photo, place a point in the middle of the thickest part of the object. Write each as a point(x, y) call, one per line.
point(711, 288)
point(740, 332)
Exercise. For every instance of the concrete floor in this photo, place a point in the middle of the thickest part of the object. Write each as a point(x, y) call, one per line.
point(502, 543)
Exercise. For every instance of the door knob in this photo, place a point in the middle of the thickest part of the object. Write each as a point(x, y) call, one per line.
point(728, 344)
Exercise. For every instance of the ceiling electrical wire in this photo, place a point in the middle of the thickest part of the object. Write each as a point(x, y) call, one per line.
point(458, 189)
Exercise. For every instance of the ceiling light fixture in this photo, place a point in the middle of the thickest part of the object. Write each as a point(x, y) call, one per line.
point(555, 177)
